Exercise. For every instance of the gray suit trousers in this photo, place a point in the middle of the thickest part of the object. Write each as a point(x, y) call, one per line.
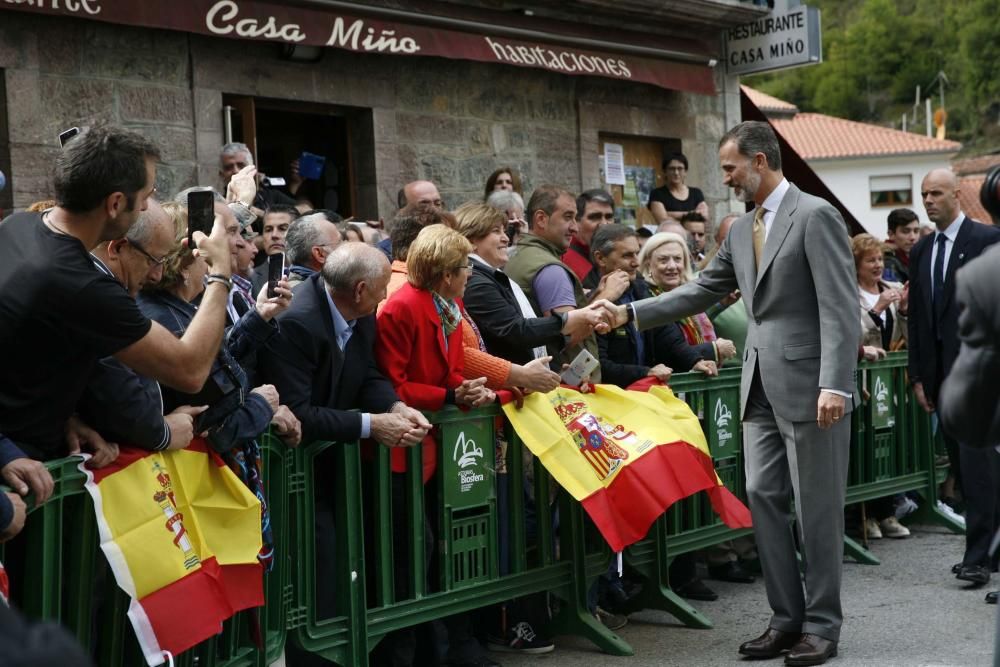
point(786, 459)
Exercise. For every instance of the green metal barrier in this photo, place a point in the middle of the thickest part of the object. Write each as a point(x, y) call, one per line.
point(68, 580)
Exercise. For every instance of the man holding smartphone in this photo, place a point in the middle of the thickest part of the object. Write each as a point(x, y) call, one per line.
point(277, 221)
point(62, 314)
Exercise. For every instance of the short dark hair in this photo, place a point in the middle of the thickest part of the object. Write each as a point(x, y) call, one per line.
point(900, 217)
point(680, 157)
point(283, 208)
point(693, 216)
point(544, 199)
point(752, 137)
point(406, 226)
point(607, 236)
point(99, 162)
point(598, 195)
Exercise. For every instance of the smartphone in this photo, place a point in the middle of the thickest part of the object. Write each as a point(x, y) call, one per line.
point(201, 214)
point(67, 135)
point(275, 272)
point(583, 365)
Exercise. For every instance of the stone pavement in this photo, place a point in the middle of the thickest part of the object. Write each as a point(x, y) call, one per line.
point(909, 611)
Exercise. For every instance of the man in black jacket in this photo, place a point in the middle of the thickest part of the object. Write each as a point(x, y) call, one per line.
point(628, 355)
point(933, 346)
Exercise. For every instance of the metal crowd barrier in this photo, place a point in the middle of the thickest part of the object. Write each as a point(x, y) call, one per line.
point(341, 592)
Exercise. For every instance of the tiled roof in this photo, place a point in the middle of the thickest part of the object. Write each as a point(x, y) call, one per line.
point(968, 197)
point(767, 103)
point(975, 165)
point(815, 136)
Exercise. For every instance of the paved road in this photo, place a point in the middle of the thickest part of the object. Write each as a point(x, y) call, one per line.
point(908, 612)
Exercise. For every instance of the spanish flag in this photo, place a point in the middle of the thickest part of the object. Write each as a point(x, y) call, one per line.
point(625, 455)
point(181, 533)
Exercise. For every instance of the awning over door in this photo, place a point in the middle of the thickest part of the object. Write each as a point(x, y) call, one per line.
point(378, 30)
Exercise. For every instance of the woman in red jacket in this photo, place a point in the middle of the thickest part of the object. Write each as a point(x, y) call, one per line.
point(419, 346)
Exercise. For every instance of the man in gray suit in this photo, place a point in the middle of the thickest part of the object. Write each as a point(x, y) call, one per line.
point(791, 261)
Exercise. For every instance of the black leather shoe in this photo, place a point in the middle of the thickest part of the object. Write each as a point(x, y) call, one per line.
point(956, 568)
point(696, 590)
point(975, 574)
point(991, 597)
point(770, 644)
point(731, 571)
point(811, 650)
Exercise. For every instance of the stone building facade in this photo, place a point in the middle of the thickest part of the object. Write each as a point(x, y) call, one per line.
point(450, 121)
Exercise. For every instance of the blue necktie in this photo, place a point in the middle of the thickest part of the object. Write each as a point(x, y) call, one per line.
point(938, 280)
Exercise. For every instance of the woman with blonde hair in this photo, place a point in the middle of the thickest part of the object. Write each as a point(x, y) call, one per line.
point(665, 263)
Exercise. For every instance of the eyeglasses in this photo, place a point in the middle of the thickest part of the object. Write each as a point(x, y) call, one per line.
point(149, 258)
point(468, 267)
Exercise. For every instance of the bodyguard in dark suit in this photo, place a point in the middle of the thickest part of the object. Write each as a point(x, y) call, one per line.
point(933, 347)
point(322, 364)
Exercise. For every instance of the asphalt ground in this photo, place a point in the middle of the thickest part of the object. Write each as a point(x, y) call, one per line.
point(908, 611)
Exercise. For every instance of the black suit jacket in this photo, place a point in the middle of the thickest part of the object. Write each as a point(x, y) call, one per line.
point(314, 378)
point(259, 278)
point(666, 345)
point(929, 360)
point(490, 300)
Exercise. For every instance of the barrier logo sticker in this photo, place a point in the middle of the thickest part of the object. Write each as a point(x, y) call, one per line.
point(467, 455)
point(882, 416)
point(723, 416)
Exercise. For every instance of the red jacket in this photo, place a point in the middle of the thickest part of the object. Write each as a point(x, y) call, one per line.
point(577, 257)
point(410, 352)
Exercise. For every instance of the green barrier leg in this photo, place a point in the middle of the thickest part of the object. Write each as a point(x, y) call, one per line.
point(574, 618)
point(859, 553)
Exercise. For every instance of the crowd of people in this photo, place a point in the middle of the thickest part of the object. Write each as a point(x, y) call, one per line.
point(131, 333)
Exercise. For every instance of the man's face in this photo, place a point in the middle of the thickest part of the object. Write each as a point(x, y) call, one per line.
point(245, 252)
point(905, 236)
point(595, 214)
point(124, 219)
point(142, 265)
point(624, 256)
point(423, 196)
point(275, 230)
point(940, 195)
point(331, 238)
point(697, 232)
point(738, 172)
point(374, 294)
point(559, 227)
point(230, 164)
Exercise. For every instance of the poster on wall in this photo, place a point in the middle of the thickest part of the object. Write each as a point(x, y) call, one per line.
point(614, 164)
point(639, 182)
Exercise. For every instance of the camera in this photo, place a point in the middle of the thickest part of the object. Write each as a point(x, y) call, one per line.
point(989, 193)
point(272, 182)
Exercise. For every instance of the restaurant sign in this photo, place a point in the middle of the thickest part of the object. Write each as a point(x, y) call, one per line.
point(785, 38)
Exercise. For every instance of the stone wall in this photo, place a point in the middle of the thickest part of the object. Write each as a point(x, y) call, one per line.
point(449, 121)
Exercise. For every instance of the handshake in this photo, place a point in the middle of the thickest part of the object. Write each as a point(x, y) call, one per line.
point(599, 317)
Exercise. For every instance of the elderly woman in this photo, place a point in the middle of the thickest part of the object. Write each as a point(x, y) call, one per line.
point(883, 327)
point(665, 263)
point(512, 205)
point(503, 178)
point(673, 200)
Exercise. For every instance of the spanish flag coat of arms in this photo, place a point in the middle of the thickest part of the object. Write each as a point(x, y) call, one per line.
point(625, 455)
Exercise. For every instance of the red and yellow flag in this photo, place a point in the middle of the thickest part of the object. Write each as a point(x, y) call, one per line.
point(181, 533)
point(625, 455)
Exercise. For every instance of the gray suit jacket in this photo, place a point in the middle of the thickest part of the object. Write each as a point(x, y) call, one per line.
point(802, 309)
point(970, 397)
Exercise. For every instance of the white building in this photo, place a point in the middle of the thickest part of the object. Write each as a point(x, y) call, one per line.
point(871, 169)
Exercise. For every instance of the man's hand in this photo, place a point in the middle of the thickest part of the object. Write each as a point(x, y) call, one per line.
point(181, 423)
point(922, 399)
point(25, 475)
point(614, 315)
point(415, 416)
point(243, 186)
point(269, 308)
point(473, 393)
point(17, 520)
point(79, 436)
point(535, 375)
point(707, 367)
point(661, 373)
point(294, 177)
point(829, 409)
point(393, 429)
point(730, 299)
point(287, 426)
point(612, 286)
point(269, 394)
point(872, 353)
point(581, 322)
